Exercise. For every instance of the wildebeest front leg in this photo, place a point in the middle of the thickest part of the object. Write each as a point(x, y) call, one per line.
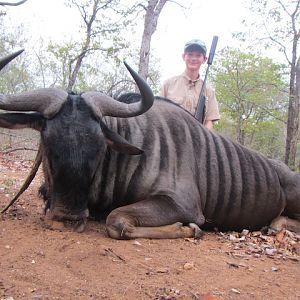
point(153, 218)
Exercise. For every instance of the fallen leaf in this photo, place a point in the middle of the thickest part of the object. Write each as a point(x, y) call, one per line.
point(233, 264)
point(236, 264)
point(280, 236)
point(208, 296)
point(162, 270)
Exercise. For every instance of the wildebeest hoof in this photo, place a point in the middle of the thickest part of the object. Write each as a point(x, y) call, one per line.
point(75, 225)
point(80, 226)
point(283, 222)
point(54, 225)
point(178, 224)
point(198, 233)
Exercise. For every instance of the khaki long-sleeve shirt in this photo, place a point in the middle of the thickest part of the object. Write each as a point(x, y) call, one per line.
point(185, 92)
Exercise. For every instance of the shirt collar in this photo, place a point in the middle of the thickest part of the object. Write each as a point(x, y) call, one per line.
point(189, 80)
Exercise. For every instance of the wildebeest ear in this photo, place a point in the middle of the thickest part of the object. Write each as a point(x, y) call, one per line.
point(21, 120)
point(118, 143)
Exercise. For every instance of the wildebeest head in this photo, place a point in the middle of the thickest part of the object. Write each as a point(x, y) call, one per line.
point(74, 138)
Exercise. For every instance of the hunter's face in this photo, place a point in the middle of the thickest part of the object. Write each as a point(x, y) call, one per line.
point(194, 60)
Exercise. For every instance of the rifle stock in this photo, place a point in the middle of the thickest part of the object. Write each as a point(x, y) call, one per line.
point(200, 110)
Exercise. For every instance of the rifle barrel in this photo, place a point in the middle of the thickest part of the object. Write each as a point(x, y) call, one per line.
point(200, 110)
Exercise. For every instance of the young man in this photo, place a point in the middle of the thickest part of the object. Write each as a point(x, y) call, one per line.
point(185, 89)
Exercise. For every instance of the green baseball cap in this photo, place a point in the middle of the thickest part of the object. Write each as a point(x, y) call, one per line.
point(195, 45)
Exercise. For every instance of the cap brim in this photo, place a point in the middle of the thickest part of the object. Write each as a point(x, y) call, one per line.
point(195, 47)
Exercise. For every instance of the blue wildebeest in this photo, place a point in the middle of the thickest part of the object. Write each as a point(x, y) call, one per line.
point(152, 173)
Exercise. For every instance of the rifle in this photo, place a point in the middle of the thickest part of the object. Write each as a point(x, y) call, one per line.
point(199, 114)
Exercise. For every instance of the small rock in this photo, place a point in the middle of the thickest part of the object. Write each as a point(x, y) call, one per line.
point(188, 266)
point(256, 233)
point(270, 251)
point(236, 291)
point(137, 243)
point(244, 232)
point(233, 238)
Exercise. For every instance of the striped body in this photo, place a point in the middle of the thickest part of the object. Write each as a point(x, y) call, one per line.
point(203, 172)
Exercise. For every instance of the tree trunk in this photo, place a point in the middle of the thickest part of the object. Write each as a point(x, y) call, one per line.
point(297, 95)
point(152, 13)
point(293, 116)
point(240, 134)
point(293, 112)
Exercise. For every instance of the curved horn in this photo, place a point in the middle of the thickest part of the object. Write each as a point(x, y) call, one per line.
point(107, 106)
point(5, 60)
point(47, 101)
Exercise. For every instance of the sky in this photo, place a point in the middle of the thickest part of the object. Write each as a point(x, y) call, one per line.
point(205, 19)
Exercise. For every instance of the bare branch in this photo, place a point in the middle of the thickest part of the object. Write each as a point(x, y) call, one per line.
point(284, 8)
point(116, 84)
point(18, 149)
point(12, 4)
point(142, 6)
point(180, 5)
point(10, 134)
point(275, 41)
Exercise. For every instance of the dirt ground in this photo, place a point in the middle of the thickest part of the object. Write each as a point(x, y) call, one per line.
point(39, 263)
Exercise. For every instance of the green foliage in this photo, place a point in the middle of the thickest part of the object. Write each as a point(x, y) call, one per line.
point(250, 89)
point(269, 139)
point(276, 26)
point(15, 77)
